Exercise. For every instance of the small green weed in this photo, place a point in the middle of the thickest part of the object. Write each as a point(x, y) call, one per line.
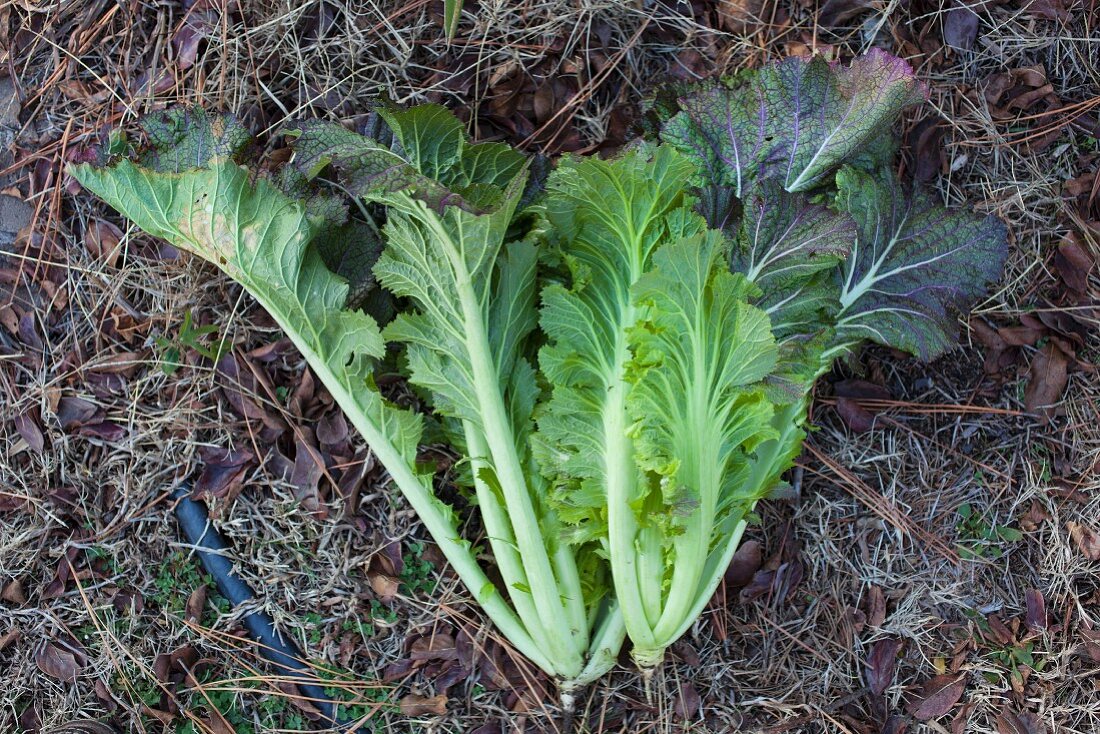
point(979, 539)
point(190, 337)
point(1015, 655)
point(418, 576)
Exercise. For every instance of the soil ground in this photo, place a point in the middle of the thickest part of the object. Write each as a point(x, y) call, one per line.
point(938, 572)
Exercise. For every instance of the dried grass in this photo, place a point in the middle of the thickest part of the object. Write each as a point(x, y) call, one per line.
point(772, 665)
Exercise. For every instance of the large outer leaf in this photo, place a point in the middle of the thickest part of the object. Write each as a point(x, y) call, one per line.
point(261, 238)
point(915, 265)
point(797, 120)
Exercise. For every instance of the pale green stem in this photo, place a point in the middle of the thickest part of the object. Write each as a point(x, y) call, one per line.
point(420, 498)
point(502, 541)
point(505, 461)
point(603, 652)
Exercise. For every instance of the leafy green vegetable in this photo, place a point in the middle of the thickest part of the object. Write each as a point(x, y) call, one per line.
point(624, 360)
point(471, 286)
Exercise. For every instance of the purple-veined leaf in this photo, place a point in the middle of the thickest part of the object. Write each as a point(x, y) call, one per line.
point(797, 120)
point(914, 267)
point(788, 248)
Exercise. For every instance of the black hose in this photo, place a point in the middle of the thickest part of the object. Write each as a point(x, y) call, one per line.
point(281, 652)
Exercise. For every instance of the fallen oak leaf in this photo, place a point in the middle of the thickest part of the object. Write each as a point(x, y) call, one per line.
point(938, 696)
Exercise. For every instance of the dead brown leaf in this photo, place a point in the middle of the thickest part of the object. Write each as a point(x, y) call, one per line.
point(417, 705)
point(13, 592)
point(60, 661)
point(1049, 374)
point(876, 606)
point(10, 637)
point(222, 473)
point(1036, 610)
point(27, 426)
point(1087, 539)
point(384, 585)
point(192, 610)
point(1074, 263)
point(1011, 722)
point(737, 16)
point(855, 416)
point(102, 240)
point(744, 564)
point(881, 664)
point(960, 27)
point(938, 696)
point(687, 703)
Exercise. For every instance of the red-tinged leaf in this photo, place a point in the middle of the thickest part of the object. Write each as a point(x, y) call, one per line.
point(27, 426)
point(73, 412)
point(861, 390)
point(194, 29)
point(1036, 610)
point(687, 704)
point(415, 705)
point(10, 637)
point(838, 12)
point(745, 563)
point(738, 16)
point(164, 717)
point(384, 586)
point(397, 670)
point(1048, 380)
point(962, 718)
point(105, 695)
point(63, 662)
point(896, 725)
point(1001, 634)
point(881, 664)
point(216, 723)
point(172, 667)
point(1053, 9)
point(433, 647)
point(309, 468)
point(938, 696)
point(1086, 539)
point(1011, 722)
point(108, 431)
